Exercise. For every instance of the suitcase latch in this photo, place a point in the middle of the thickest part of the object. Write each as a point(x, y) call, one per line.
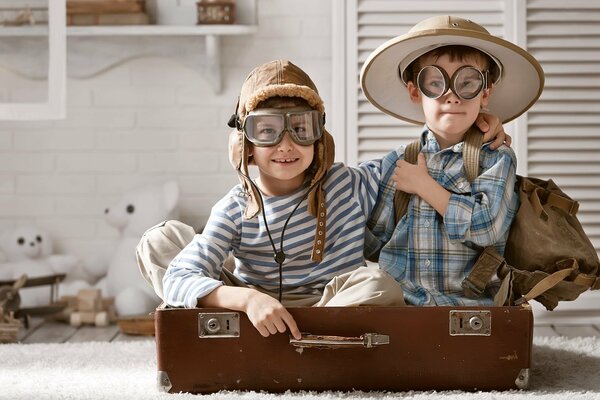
point(218, 325)
point(470, 323)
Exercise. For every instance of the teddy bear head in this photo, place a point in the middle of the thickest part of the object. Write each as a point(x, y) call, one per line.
point(140, 208)
point(25, 242)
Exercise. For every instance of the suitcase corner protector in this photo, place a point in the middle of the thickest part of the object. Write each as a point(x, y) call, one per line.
point(163, 382)
point(522, 381)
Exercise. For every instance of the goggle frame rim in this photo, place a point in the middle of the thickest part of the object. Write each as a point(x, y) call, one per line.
point(449, 81)
point(285, 113)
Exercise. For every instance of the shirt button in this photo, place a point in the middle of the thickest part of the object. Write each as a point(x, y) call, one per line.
point(461, 185)
point(427, 263)
point(426, 223)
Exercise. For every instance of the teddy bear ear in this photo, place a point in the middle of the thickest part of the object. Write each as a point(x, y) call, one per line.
point(171, 194)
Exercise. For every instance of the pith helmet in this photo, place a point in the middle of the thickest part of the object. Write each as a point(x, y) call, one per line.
point(383, 74)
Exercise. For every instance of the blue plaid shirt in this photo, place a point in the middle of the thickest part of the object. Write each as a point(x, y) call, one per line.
point(430, 254)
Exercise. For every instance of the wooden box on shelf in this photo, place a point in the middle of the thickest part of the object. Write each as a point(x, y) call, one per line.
point(216, 11)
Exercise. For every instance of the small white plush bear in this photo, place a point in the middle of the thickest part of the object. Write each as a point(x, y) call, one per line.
point(136, 211)
point(28, 250)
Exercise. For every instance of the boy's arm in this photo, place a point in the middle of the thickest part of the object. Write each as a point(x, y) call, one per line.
point(192, 279)
point(267, 315)
point(482, 216)
point(196, 270)
point(415, 179)
point(376, 195)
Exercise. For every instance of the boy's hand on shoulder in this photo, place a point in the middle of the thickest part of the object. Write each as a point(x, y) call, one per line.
point(409, 177)
point(492, 130)
point(269, 316)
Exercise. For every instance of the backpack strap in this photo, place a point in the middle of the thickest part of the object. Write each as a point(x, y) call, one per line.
point(471, 150)
point(401, 199)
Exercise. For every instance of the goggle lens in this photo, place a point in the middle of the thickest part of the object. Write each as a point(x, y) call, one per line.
point(267, 127)
point(467, 82)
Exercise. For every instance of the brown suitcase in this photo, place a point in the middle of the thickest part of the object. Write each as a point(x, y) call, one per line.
point(351, 348)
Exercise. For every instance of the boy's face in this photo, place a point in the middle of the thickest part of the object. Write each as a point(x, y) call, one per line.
point(449, 116)
point(282, 167)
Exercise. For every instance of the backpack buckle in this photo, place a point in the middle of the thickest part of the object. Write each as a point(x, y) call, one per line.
point(470, 289)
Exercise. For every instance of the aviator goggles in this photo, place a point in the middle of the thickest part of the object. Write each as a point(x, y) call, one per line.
point(467, 82)
point(266, 126)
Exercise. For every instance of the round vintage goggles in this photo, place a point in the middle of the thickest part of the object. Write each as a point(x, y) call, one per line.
point(266, 126)
point(467, 82)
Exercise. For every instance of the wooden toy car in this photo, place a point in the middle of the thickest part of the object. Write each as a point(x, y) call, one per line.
point(89, 308)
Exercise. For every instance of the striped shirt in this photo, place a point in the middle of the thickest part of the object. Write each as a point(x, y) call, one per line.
point(430, 255)
point(350, 197)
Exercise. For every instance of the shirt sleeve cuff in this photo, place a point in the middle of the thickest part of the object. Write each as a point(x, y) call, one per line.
point(202, 290)
point(457, 218)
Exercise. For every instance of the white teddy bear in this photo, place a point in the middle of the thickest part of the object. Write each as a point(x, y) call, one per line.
point(137, 210)
point(28, 250)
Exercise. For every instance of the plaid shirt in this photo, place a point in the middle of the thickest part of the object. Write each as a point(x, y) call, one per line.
point(428, 254)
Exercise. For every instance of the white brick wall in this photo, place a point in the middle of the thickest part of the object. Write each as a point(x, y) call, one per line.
point(147, 120)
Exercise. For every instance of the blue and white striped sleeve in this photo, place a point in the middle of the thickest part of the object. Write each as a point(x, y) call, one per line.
point(367, 184)
point(484, 216)
point(196, 270)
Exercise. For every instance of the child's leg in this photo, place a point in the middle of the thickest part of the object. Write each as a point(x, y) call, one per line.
point(361, 287)
point(158, 246)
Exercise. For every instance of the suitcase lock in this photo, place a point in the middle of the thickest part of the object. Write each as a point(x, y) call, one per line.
point(218, 325)
point(470, 323)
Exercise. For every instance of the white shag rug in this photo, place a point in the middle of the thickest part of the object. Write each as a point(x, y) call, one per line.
point(563, 369)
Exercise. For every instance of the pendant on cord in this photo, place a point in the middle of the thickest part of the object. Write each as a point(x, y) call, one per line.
point(279, 257)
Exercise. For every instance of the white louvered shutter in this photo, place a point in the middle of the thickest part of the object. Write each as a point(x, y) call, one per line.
point(564, 125)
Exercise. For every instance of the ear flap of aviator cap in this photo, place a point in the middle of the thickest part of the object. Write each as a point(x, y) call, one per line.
point(239, 157)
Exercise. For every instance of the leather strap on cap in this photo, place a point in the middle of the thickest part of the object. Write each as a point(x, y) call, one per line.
point(321, 228)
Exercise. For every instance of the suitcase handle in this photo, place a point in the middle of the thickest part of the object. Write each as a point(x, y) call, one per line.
point(367, 340)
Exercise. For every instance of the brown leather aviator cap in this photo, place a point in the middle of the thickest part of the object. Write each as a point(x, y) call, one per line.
point(281, 78)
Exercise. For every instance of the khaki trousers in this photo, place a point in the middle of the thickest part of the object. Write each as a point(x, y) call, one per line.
point(363, 286)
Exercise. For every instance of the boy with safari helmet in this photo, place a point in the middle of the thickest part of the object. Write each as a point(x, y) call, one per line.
point(444, 71)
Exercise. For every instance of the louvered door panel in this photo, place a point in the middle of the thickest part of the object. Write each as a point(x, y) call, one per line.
point(564, 125)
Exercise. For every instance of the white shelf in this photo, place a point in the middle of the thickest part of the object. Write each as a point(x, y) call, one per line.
point(134, 30)
point(211, 34)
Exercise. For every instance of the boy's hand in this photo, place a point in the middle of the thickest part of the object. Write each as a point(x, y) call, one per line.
point(410, 177)
point(492, 128)
point(269, 316)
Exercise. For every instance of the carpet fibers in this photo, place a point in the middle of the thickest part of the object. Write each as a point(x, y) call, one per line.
point(563, 369)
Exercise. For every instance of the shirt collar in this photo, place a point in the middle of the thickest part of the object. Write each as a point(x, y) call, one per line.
point(431, 145)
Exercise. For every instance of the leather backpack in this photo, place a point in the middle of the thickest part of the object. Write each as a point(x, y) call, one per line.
point(548, 256)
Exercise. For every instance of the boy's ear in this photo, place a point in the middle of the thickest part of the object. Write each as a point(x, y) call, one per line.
point(485, 97)
point(413, 92)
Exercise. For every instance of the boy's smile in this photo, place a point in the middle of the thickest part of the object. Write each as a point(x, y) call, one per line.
point(282, 166)
point(449, 116)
